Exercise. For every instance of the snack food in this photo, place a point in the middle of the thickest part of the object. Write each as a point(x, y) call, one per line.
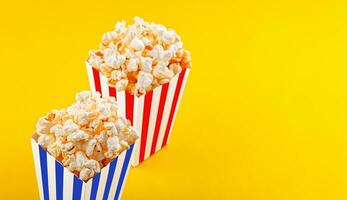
point(87, 135)
point(140, 57)
point(145, 67)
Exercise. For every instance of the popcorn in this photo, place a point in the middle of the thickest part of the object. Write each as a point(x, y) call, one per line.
point(145, 80)
point(132, 65)
point(86, 173)
point(45, 140)
point(146, 64)
point(175, 68)
point(115, 60)
point(82, 118)
point(160, 71)
point(42, 126)
point(57, 130)
point(121, 84)
point(111, 128)
point(83, 96)
point(54, 150)
point(92, 164)
point(118, 75)
point(121, 124)
point(169, 37)
point(80, 160)
point(77, 136)
point(137, 44)
point(166, 55)
point(68, 148)
point(87, 135)
point(109, 36)
point(127, 52)
point(70, 127)
point(113, 144)
point(156, 52)
point(101, 138)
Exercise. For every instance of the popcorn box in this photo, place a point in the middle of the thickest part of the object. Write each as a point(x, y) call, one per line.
point(57, 182)
point(152, 114)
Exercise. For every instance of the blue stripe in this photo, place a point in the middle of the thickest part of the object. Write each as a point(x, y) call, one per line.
point(77, 188)
point(95, 186)
point(44, 173)
point(59, 180)
point(111, 171)
point(124, 170)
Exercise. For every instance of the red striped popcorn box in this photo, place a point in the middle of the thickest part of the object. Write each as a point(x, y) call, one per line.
point(152, 114)
point(57, 182)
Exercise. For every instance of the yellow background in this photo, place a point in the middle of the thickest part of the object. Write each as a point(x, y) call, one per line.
point(263, 115)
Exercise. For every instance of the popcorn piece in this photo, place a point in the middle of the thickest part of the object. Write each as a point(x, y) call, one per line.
point(82, 118)
point(54, 150)
point(43, 126)
point(162, 72)
point(45, 140)
point(175, 68)
point(70, 162)
point(121, 124)
point(90, 147)
point(132, 65)
point(83, 96)
point(57, 130)
point(106, 69)
point(158, 29)
point(86, 173)
point(137, 44)
point(93, 165)
point(80, 160)
point(128, 51)
point(111, 128)
point(85, 136)
point(113, 144)
point(115, 60)
point(146, 64)
point(77, 136)
point(169, 37)
point(166, 55)
point(122, 84)
point(70, 127)
point(68, 148)
point(144, 80)
point(118, 75)
point(101, 138)
point(156, 52)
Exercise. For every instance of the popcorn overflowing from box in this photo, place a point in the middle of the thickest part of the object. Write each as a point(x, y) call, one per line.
point(140, 57)
point(89, 142)
point(145, 66)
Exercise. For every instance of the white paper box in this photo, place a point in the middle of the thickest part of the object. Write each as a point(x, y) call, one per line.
point(56, 182)
point(152, 114)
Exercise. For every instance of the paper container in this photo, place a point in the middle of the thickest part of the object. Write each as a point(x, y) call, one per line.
point(56, 182)
point(152, 114)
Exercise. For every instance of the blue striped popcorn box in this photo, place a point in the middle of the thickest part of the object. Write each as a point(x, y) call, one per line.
point(57, 182)
point(152, 114)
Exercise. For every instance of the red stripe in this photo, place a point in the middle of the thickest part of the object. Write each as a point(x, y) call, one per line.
point(112, 92)
point(129, 106)
point(97, 80)
point(145, 121)
point(173, 107)
point(159, 116)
